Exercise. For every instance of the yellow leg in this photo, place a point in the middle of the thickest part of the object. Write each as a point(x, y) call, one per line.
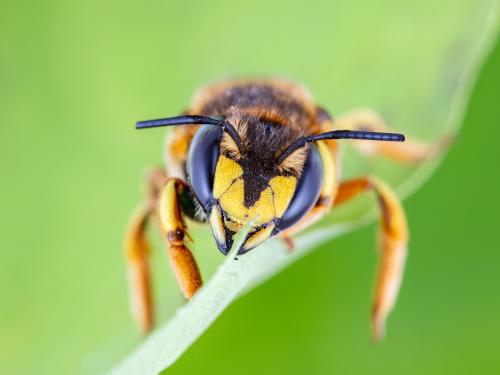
point(163, 201)
point(411, 151)
point(393, 245)
point(174, 230)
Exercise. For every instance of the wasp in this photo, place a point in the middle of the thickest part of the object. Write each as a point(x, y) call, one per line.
point(262, 151)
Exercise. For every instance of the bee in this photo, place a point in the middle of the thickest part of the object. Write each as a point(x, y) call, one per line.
point(262, 151)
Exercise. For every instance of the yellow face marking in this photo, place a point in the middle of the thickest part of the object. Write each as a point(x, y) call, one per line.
point(263, 208)
point(226, 172)
point(258, 237)
point(283, 188)
point(232, 201)
point(217, 225)
point(229, 190)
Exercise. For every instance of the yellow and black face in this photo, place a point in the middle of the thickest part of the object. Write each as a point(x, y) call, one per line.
point(240, 183)
point(259, 169)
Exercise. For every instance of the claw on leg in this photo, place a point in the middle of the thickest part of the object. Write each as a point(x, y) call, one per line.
point(289, 242)
point(393, 246)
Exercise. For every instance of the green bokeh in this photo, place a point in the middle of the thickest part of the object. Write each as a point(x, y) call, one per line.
point(313, 317)
point(75, 75)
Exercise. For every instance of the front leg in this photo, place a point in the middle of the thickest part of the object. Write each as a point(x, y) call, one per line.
point(393, 245)
point(174, 231)
point(163, 202)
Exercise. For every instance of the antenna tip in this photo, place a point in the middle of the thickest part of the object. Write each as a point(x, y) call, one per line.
point(149, 124)
point(142, 124)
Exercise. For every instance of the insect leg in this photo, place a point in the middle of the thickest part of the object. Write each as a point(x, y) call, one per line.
point(163, 194)
point(393, 245)
point(137, 252)
point(136, 255)
point(174, 231)
point(411, 151)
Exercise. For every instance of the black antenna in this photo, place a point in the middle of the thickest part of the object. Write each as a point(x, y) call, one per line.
point(341, 134)
point(192, 120)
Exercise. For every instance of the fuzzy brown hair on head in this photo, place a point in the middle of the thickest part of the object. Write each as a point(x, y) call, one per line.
point(264, 136)
point(295, 161)
point(262, 143)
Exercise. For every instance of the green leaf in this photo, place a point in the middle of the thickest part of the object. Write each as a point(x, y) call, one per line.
point(420, 82)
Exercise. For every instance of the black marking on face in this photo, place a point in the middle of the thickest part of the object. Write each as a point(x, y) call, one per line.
point(253, 187)
point(263, 141)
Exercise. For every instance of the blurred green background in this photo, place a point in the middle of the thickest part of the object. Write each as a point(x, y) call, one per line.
point(74, 76)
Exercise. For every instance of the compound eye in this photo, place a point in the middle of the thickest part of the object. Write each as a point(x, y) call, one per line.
point(202, 160)
point(307, 192)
